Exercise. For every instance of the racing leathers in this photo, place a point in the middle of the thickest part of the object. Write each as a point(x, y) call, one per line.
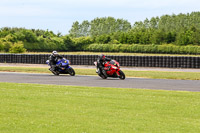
point(53, 60)
point(100, 64)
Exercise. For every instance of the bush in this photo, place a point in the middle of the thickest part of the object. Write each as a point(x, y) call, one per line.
point(81, 42)
point(1, 46)
point(136, 48)
point(7, 46)
point(17, 48)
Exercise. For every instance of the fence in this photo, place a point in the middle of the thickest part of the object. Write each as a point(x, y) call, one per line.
point(134, 61)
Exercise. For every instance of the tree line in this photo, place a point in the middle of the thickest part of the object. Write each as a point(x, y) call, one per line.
point(181, 33)
point(181, 29)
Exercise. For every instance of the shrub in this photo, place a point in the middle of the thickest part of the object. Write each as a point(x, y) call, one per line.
point(1, 46)
point(7, 46)
point(136, 48)
point(17, 48)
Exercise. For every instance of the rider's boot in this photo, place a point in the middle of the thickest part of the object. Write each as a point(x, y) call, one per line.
point(104, 73)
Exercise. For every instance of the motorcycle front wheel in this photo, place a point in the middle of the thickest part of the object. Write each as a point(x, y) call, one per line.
point(121, 75)
point(71, 71)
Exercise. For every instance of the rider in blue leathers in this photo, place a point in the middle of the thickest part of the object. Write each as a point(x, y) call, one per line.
point(53, 59)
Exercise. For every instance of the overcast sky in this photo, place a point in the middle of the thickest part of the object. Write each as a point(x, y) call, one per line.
point(59, 15)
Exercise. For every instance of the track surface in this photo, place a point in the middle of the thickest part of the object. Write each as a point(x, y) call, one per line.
point(160, 84)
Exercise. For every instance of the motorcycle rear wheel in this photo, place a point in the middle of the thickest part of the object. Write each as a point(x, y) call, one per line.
point(122, 75)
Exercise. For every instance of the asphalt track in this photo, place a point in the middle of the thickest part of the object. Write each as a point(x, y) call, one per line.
point(95, 81)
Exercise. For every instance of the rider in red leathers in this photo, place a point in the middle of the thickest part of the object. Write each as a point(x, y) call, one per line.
point(100, 63)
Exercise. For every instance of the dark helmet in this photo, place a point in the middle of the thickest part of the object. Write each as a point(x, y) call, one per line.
point(55, 53)
point(102, 57)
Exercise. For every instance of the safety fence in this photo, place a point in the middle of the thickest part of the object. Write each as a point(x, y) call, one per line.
point(134, 61)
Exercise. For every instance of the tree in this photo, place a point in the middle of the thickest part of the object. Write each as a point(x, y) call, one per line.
point(29, 36)
point(99, 26)
point(75, 30)
point(84, 28)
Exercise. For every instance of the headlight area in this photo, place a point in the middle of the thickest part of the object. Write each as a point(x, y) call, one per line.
point(114, 67)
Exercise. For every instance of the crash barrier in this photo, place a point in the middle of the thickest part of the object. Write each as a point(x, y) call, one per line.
point(134, 61)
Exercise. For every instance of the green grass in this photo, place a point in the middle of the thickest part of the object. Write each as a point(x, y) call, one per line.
point(26, 108)
point(24, 69)
point(128, 73)
point(164, 75)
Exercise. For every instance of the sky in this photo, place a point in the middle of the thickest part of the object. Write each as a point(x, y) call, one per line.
point(59, 15)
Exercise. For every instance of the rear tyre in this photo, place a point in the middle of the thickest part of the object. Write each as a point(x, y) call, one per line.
point(121, 75)
point(71, 72)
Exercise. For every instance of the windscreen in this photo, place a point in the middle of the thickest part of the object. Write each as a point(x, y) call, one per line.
point(112, 62)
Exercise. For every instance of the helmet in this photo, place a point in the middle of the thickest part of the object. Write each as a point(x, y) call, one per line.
point(102, 57)
point(55, 53)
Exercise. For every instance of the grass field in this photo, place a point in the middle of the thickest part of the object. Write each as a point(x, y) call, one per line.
point(47, 108)
point(129, 73)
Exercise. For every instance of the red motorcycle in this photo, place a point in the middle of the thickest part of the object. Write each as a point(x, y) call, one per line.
point(112, 69)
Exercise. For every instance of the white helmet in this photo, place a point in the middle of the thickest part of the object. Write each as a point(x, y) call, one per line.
point(55, 53)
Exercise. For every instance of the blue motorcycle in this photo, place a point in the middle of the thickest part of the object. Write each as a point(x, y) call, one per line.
point(62, 67)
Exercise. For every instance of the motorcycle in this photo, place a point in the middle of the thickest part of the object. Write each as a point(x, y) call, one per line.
point(112, 69)
point(62, 67)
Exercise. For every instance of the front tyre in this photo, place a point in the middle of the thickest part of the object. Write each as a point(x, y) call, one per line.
point(121, 75)
point(71, 71)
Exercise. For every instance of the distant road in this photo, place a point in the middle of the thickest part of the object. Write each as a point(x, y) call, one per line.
point(141, 83)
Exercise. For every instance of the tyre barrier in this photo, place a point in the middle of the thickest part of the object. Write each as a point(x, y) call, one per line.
point(134, 61)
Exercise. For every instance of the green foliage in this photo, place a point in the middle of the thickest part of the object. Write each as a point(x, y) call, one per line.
point(7, 46)
point(17, 48)
point(1, 46)
point(103, 39)
point(136, 48)
point(99, 26)
point(155, 35)
point(29, 36)
point(81, 42)
point(75, 30)
point(10, 38)
point(68, 43)
point(33, 40)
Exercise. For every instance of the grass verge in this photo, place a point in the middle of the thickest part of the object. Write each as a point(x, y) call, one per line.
point(51, 108)
point(128, 73)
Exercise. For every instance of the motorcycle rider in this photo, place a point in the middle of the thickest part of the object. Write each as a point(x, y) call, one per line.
point(53, 59)
point(100, 63)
